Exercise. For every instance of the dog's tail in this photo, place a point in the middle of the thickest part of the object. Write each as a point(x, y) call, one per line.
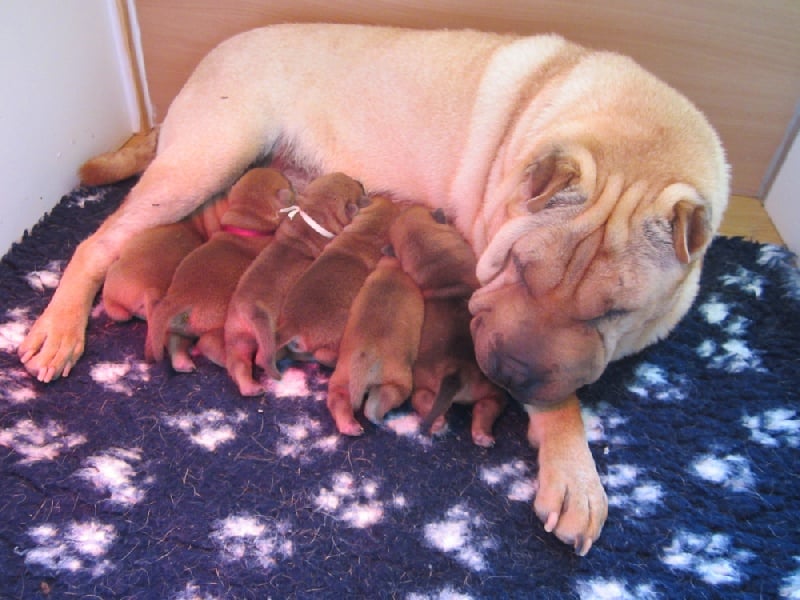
point(448, 388)
point(164, 319)
point(264, 330)
point(131, 159)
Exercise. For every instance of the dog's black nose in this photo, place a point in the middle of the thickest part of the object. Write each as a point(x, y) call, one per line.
point(513, 374)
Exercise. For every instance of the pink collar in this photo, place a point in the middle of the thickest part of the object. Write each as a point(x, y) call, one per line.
point(243, 231)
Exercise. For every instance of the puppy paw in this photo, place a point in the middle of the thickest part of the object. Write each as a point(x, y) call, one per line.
point(52, 347)
point(482, 439)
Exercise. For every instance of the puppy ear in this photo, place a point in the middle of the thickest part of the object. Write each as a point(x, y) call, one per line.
point(351, 210)
point(691, 230)
point(286, 196)
point(550, 179)
point(439, 216)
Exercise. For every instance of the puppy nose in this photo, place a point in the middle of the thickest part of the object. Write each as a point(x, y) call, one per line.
point(513, 374)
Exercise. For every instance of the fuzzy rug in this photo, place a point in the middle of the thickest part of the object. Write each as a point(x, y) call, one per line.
point(126, 480)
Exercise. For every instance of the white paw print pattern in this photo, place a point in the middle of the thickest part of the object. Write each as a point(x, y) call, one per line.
point(651, 381)
point(461, 534)
point(192, 591)
point(300, 439)
point(599, 588)
point(121, 377)
point(39, 442)
point(208, 429)
point(254, 540)
point(732, 471)
point(12, 332)
point(733, 355)
point(113, 472)
point(513, 479)
point(75, 547)
point(446, 593)
point(47, 278)
point(774, 428)
point(790, 585)
point(712, 557)
point(629, 491)
point(358, 505)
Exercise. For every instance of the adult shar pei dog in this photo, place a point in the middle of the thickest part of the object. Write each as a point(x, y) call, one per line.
point(587, 188)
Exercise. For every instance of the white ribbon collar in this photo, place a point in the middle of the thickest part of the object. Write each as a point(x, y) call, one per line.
point(292, 211)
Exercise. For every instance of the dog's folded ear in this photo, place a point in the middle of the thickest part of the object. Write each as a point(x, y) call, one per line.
point(550, 180)
point(691, 230)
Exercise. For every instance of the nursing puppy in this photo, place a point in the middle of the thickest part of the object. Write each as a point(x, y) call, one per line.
point(588, 190)
point(196, 302)
point(141, 275)
point(326, 206)
point(144, 270)
point(315, 312)
point(442, 264)
point(378, 348)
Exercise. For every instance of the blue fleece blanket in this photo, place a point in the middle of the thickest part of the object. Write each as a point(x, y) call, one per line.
point(126, 480)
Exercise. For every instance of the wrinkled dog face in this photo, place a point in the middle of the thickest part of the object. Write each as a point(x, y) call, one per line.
point(574, 282)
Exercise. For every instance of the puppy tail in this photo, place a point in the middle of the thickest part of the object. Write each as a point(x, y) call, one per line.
point(265, 335)
point(448, 388)
point(156, 331)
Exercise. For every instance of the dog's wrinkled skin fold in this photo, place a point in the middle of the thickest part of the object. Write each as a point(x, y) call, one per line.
point(587, 188)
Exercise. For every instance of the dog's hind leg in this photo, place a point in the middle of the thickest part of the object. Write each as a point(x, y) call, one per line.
point(383, 398)
point(189, 170)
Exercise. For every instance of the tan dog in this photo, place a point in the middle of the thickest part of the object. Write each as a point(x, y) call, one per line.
point(588, 189)
point(378, 348)
point(196, 302)
point(326, 206)
point(315, 312)
point(442, 264)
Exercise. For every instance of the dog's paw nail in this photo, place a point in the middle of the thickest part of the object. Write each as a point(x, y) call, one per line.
point(552, 521)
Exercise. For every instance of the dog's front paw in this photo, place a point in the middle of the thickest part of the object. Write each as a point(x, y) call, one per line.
point(570, 499)
point(52, 347)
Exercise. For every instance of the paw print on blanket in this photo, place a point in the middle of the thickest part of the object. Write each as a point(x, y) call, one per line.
point(121, 377)
point(774, 428)
point(711, 556)
point(78, 546)
point(629, 491)
point(599, 588)
point(734, 355)
point(357, 504)
point(113, 472)
point(653, 382)
point(39, 442)
point(208, 429)
point(462, 535)
point(731, 471)
point(256, 541)
point(300, 439)
point(47, 278)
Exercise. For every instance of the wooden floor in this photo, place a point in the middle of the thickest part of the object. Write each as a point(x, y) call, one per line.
point(747, 218)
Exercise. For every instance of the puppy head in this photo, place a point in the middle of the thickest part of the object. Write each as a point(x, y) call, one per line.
point(433, 253)
point(256, 198)
point(333, 200)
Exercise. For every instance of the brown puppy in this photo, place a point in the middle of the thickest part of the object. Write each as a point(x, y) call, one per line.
point(144, 270)
point(196, 302)
point(442, 264)
point(315, 312)
point(327, 205)
point(378, 348)
point(446, 372)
